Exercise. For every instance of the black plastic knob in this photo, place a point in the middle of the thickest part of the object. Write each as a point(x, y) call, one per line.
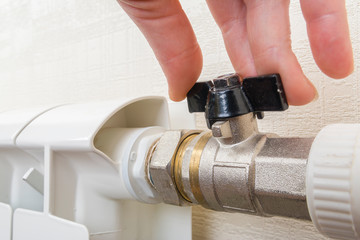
point(227, 96)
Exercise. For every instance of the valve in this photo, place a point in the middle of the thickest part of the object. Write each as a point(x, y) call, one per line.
point(233, 167)
point(236, 168)
point(227, 97)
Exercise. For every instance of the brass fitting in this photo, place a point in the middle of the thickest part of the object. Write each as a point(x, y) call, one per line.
point(198, 141)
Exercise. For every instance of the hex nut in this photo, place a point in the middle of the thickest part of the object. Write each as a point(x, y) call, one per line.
point(160, 167)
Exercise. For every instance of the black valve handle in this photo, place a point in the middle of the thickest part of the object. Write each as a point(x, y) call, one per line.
point(227, 97)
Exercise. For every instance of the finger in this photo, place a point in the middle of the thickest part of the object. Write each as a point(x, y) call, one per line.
point(329, 36)
point(269, 36)
point(230, 15)
point(170, 35)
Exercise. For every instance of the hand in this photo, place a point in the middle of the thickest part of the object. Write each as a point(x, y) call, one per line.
point(257, 38)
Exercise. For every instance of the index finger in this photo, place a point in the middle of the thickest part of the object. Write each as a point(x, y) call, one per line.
point(170, 35)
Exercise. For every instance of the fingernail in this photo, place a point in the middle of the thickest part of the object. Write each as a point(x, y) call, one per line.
point(175, 97)
point(316, 97)
point(316, 94)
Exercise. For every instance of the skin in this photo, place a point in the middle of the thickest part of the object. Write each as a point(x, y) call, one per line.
point(257, 38)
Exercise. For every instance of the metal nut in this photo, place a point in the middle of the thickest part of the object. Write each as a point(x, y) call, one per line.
point(161, 170)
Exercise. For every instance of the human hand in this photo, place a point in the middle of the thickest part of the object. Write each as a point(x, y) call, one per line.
point(257, 39)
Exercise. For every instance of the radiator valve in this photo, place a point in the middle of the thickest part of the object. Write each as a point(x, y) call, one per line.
point(235, 168)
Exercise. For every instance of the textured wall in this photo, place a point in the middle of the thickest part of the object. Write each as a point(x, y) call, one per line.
point(55, 52)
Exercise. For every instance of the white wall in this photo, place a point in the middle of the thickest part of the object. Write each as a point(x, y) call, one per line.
point(54, 52)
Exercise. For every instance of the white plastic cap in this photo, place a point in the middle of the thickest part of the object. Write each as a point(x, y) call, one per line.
point(333, 181)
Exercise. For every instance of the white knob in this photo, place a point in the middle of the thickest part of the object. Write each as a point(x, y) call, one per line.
point(333, 181)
